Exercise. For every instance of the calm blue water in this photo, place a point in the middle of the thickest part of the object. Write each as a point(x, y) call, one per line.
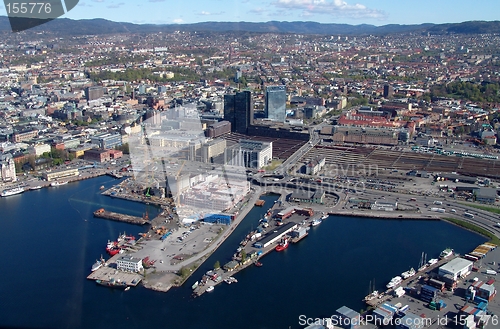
point(49, 240)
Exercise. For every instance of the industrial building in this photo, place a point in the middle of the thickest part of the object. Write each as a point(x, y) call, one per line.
point(50, 176)
point(249, 154)
point(351, 317)
point(348, 134)
point(486, 194)
point(317, 196)
point(277, 234)
point(129, 263)
point(456, 268)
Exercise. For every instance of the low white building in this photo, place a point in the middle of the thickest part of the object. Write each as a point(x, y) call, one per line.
point(456, 268)
point(129, 263)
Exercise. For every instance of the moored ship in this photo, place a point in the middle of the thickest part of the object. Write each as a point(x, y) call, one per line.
point(316, 222)
point(36, 187)
point(408, 273)
point(446, 253)
point(57, 183)
point(394, 282)
point(282, 245)
point(12, 191)
point(112, 283)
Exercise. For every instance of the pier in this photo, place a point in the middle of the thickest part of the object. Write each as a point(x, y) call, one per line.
point(101, 213)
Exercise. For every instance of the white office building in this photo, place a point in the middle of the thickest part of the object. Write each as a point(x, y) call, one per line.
point(129, 263)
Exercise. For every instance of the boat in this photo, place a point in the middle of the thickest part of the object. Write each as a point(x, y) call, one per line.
point(57, 183)
point(316, 222)
point(408, 273)
point(102, 187)
point(258, 264)
point(35, 187)
point(432, 262)
point(394, 282)
point(446, 253)
point(282, 245)
point(195, 285)
point(112, 283)
point(371, 296)
point(12, 191)
point(325, 216)
point(127, 289)
point(210, 289)
point(97, 265)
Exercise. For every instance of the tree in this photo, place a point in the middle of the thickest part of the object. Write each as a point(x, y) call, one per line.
point(217, 265)
point(184, 272)
point(243, 256)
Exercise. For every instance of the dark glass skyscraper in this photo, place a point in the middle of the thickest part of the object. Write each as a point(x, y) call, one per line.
point(238, 109)
point(276, 103)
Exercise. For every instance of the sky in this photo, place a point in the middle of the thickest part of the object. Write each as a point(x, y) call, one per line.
point(376, 12)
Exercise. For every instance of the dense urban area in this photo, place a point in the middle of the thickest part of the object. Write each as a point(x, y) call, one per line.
point(202, 124)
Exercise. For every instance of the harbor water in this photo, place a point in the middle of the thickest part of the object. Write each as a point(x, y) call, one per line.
point(49, 239)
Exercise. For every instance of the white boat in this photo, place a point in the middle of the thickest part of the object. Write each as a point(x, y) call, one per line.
point(432, 262)
point(127, 289)
point(408, 273)
point(58, 183)
point(210, 289)
point(195, 285)
point(12, 191)
point(325, 216)
point(371, 296)
point(36, 187)
point(394, 282)
point(316, 222)
point(446, 253)
point(97, 265)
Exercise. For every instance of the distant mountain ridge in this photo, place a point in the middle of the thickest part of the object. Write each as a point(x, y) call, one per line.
point(65, 26)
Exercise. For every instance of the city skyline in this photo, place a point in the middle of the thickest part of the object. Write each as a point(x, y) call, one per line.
point(323, 11)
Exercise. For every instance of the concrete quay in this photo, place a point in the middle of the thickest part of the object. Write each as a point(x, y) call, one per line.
point(101, 213)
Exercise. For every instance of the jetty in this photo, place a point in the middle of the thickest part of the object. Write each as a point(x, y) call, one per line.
point(102, 213)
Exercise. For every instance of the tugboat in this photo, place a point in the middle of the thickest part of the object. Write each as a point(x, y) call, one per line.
point(282, 245)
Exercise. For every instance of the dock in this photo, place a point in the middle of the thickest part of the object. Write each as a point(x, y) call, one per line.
point(101, 213)
point(106, 273)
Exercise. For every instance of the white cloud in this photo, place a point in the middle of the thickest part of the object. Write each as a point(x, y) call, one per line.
point(206, 13)
point(178, 20)
point(337, 8)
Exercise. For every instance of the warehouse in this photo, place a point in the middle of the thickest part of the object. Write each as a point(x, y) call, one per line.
point(276, 235)
point(456, 268)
